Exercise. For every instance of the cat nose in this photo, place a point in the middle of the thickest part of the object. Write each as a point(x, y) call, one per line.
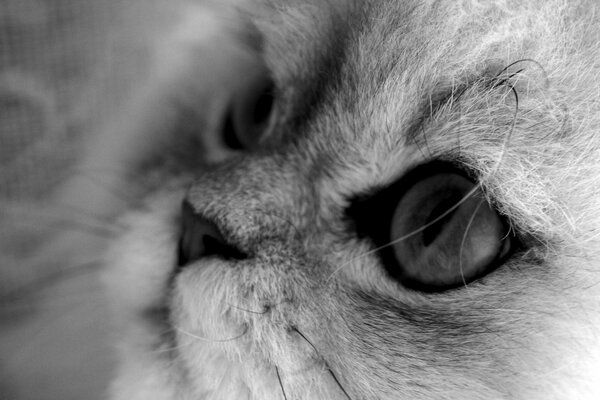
point(249, 114)
point(201, 238)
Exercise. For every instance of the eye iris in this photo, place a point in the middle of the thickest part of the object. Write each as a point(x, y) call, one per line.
point(433, 229)
point(444, 233)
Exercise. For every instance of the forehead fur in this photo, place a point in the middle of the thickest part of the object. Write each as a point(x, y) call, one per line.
point(487, 84)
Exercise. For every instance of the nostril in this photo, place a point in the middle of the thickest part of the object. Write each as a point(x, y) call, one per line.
point(249, 115)
point(201, 238)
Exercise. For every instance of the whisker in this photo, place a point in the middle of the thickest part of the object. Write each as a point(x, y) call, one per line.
point(43, 282)
point(416, 142)
point(219, 384)
point(499, 82)
point(172, 348)
point(208, 340)
point(464, 240)
point(29, 214)
point(266, 309)
point(293, 328)
point(410, 234)
point(94, 175)
point(281, 218)
point(336, 380)
point(508, 231)
point(99, 219)
point(118, 194)
point(338, 383)
point(102, 232)
point(280, 383)
point(508, 136)
point(524, 60)
point(426, 141)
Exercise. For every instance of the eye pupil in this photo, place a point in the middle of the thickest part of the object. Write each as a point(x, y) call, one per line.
point(433, 227)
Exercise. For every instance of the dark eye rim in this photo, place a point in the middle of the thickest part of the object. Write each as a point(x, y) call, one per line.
point(245, 128)
point(369, 216)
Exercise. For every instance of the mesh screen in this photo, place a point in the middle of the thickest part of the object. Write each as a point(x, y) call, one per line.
point(58, 60)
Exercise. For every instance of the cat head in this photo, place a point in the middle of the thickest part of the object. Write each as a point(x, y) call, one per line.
point(385, 200)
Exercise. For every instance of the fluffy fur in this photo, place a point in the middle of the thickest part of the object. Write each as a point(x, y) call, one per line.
point(365, 91)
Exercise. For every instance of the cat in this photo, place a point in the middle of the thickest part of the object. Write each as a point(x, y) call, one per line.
point(279, 243)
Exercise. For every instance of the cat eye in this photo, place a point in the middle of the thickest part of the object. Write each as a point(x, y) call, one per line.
point(435, 230)
point(248, 118)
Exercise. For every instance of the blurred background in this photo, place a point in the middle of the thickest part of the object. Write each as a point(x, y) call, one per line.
point(64, 65)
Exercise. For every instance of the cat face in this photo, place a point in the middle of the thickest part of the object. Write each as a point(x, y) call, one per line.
point(386, 200)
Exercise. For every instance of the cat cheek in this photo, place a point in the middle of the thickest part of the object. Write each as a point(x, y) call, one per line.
point(140, 261)
point(200, 301)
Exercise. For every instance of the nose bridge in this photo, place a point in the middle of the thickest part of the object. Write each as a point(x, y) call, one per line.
point(254, 198)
